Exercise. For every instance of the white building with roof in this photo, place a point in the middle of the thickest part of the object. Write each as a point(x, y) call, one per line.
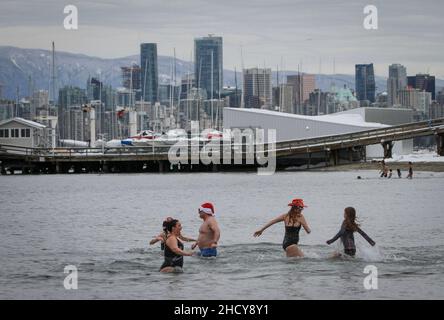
point(23, 133)
point(298, 127)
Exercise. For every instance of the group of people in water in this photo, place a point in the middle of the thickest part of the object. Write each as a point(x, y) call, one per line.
point(386, 172)
point(172, 239)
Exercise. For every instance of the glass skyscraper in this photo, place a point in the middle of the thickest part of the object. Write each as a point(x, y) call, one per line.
point(423, 82)
point(149, 74)
point(396, 81)
point(208, 67)
point(365, 82)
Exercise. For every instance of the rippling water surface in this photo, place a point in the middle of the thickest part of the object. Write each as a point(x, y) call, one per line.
point(102, 225)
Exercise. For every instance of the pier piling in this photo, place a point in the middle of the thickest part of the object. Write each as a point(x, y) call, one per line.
point(439, 144)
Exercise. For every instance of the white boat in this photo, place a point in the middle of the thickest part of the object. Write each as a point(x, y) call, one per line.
point(173, 136)
point(115, 143)
point(215, 135)
point(143, 138)
point(73, 143)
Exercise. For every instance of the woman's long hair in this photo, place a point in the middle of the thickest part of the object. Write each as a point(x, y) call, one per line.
point(169, 225)
point(350, 219)
point(293, 215)
point(164, 226)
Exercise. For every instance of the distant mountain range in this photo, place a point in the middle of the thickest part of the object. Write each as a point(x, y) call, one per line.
point(25, 68)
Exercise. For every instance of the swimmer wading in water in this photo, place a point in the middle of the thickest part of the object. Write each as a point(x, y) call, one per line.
point(348, 227)
point(293, 221)
point(173, 252)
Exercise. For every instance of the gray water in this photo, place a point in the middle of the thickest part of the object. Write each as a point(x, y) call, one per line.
point(102, 225)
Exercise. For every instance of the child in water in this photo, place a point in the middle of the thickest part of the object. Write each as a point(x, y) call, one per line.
point(349, 226)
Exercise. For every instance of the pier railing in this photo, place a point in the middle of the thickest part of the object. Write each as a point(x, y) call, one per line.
point(367, 137)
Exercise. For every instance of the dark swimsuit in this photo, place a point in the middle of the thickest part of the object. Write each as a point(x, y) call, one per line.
point(348, 240)
point(172, 259)
point(291, 236)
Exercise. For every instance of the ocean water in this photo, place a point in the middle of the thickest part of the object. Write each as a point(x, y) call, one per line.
point(102, 224)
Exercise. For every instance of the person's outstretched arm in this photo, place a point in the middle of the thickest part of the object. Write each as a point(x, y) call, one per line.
point(366, 237)
point(305, 225)
point(269, 224)
point(187, 239)
point(156, 239)
point(337, 236)
point(172, 244)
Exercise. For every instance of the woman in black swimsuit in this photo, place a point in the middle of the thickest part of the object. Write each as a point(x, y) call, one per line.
point(348, 227)
point(293, 221)
point(173, 248)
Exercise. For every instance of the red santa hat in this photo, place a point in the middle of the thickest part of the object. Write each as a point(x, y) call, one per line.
point(207, 208)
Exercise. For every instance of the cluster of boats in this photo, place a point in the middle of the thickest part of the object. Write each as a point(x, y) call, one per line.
point(150, 138)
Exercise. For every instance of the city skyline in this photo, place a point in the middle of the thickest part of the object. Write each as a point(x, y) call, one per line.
point(290, 34)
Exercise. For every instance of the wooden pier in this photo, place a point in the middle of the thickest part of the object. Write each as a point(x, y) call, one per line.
point(331, 150)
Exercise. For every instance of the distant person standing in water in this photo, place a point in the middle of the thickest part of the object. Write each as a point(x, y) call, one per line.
point(348, 227)
point(384, 169)
point(399, 173)
point(209, 232)
point(410, 175)
point(174, 252)
point(390, 174)
point(293, 221)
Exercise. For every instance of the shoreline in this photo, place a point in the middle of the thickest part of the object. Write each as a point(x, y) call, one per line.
point(375, 165)
point(370, 165)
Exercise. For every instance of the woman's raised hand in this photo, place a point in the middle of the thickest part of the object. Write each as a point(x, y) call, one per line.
point(257, 233)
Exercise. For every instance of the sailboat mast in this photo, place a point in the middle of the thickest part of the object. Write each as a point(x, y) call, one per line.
point(174, 89)
point(235, 83)
point(243, 81)
point(258, 89)
point(179, 93)
point(198, 90)
point(171, 89)
point(212, 88)
point(130, 103)
point(188, 91)
point(53, 77)
point(264, 91)
point(219, 87)
point(319, 88)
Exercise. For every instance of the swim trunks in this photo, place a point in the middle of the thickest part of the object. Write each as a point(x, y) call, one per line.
point(208, 252)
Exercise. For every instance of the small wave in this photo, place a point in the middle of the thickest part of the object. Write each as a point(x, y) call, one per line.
point(395, 258)
point(40, 277)
point(137, 250)
point(125, 264)
point(312, 255)
point(260, 276)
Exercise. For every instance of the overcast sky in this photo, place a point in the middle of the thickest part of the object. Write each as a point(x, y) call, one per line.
point(270, 32)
